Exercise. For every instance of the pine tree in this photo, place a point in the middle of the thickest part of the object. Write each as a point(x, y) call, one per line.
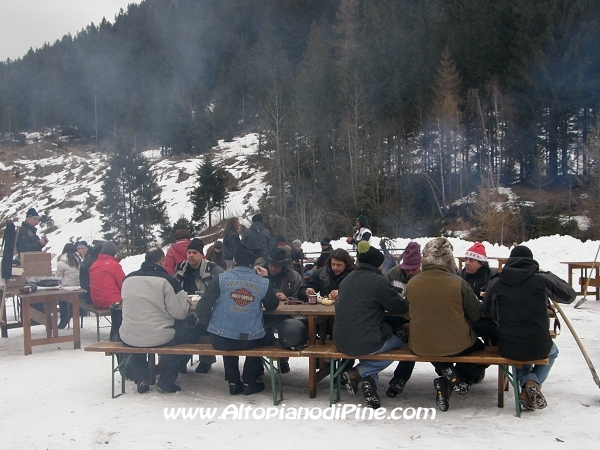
point(131, 205)
point(210, 193)
point(167, 234)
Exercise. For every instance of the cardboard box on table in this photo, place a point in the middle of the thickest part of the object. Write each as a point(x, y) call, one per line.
point(32, 263)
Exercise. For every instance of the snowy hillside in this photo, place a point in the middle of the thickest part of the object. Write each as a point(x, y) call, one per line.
point(67, 188)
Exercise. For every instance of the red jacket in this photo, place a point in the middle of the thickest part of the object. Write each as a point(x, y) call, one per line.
point(106, 280)
point(176, 253)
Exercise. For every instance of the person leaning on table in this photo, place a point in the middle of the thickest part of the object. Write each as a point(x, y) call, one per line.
point(326, 280)
point(152, 301)
point(231, 311)
point(516, 300)
point(359, 327)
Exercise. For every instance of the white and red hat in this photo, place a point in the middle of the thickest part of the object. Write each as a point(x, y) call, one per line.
point(477, 251)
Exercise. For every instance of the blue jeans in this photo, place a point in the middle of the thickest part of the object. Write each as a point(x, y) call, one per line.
point(371, 368)
point(537, 372)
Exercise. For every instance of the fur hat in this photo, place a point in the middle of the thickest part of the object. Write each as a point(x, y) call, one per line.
point(245, 256)
point(362, 220)
point(520, 251)
point(31, 212)
point(438, 251)
point(196, 244)
point(476, 251)
point(277, 257)
point(109, 248)
point(256, 218)
point(369, 255)
point(411, 257)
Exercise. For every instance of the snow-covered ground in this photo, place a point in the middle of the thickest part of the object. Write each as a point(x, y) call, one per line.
point(59, 398)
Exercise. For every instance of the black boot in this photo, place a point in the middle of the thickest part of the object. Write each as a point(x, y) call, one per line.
point(65, 315)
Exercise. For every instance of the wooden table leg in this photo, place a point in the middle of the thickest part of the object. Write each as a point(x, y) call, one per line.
point(3, 317)
point(501, 384)
point(25, 305)
point(312, 362)
point(51, 318)
point(76, 329)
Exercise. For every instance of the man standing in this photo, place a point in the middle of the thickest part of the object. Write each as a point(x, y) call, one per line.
point(194, 275)
point(27, 239)
point(152, 301)
point(106, 277)
point(516, 301)
point(361, 232)
point(231, 308)
point(257, 236)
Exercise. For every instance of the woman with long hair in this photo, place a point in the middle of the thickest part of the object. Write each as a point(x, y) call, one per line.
point(67, 268)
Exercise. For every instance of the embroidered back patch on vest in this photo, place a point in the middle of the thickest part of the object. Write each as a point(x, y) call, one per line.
point(242, 297)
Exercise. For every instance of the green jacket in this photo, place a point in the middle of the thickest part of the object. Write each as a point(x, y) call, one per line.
point(440, 306)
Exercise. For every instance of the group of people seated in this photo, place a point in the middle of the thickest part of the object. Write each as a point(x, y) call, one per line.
point(450, 313)
point(438, 310)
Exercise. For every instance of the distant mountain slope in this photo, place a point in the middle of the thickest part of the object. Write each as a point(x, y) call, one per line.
point(66, 187)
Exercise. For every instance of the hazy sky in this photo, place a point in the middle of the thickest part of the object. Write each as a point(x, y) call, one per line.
point(31, 23)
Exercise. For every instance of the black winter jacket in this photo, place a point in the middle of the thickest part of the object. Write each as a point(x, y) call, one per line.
point(28, 240)
point(230, 242)
point(323, 281)
point(257, 236)
point(479, 280)
point(363, 297)
point(516, 300)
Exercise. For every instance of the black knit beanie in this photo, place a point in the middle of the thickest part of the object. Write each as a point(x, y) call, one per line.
point(520, 251)
point(369, 255)
point(196, 244)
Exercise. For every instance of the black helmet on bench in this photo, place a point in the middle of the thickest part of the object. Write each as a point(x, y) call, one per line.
point(293, 334)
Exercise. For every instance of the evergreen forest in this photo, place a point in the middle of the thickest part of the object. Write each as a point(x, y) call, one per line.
point(389, 108)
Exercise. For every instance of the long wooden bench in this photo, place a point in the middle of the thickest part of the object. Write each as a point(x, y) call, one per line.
point(98, 312)
point(506, 367)
point(267, 353)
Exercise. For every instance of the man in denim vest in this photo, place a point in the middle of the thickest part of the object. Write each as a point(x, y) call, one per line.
point(231, 307)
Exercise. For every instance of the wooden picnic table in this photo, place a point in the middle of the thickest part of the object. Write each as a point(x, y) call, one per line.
point(48, 317)
point(586, 270)
point(320, 320)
